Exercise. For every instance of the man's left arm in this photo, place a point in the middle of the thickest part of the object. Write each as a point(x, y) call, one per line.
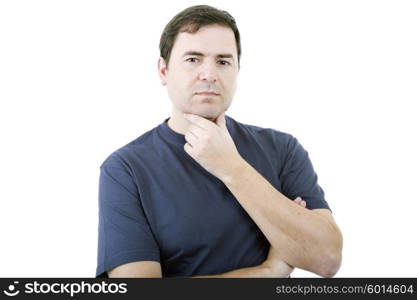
point(306, 239)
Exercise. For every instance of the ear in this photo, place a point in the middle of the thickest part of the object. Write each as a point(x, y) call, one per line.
point(162, 70)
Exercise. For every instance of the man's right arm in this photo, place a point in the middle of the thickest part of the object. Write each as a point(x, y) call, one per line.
point(152, 269)
point(137, 269)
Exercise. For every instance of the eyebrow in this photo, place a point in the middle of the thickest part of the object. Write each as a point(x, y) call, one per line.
point(196, 53)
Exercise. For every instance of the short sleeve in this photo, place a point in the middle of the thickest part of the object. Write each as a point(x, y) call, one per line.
point(124, 234)
point(298, 177)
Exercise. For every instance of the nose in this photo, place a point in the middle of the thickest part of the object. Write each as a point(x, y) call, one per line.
point(208, 73)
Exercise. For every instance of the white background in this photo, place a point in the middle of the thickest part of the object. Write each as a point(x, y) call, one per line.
point(78, 80)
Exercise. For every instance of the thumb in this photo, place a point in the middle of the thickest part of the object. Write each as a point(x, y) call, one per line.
point(221, 121)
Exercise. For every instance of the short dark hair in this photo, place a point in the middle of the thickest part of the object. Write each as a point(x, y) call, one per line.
point(191, 20)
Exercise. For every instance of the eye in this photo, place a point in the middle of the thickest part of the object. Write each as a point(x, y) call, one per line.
point(191, 59)
point(224, 62)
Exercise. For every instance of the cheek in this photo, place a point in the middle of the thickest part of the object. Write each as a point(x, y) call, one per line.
point(234, 87)
point(183, 83)
point(181, 90)
point(231, 86)
point(175, 84)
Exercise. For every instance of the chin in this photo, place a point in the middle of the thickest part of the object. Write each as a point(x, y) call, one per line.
point(210, 116)
point(209, 112)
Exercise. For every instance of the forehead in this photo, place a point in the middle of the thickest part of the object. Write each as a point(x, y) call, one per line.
point(212, 39)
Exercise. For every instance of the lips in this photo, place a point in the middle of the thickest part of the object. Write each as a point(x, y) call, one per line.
point(207, 94)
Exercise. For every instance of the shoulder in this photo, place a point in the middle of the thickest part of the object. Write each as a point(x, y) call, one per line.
point(280, 140)
point(123, 156)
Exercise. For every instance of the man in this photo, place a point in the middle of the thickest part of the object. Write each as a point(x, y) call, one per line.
point(202, 194)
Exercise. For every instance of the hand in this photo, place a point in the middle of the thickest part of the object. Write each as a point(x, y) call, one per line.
point(300, 202)
point(273, 262)
point(276, 266)
point(210, 144)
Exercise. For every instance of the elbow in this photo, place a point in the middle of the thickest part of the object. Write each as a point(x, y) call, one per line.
point(332, 260)
point(330, 267)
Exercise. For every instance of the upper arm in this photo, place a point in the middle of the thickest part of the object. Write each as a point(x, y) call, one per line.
point(137, 269)
point(298, 177)
point(125, 235)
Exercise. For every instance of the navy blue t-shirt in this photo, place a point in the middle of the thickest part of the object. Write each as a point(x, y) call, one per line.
point(157, 203)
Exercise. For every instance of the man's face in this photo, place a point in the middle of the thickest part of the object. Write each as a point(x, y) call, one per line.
point(204, 61)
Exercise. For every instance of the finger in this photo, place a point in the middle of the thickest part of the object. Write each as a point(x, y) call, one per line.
point(198, 120)
point(197, 131)
point(297, 200)
point(190, 138)
point(188, 149)
point(300, 202)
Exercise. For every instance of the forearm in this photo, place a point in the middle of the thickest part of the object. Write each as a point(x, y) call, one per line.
point(310, 239)
point(260, 271)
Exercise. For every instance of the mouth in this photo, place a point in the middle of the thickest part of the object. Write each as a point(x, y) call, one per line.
point(207, 94)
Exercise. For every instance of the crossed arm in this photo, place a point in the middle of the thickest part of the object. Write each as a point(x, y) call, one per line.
point(312, 239)
point(273, 266)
